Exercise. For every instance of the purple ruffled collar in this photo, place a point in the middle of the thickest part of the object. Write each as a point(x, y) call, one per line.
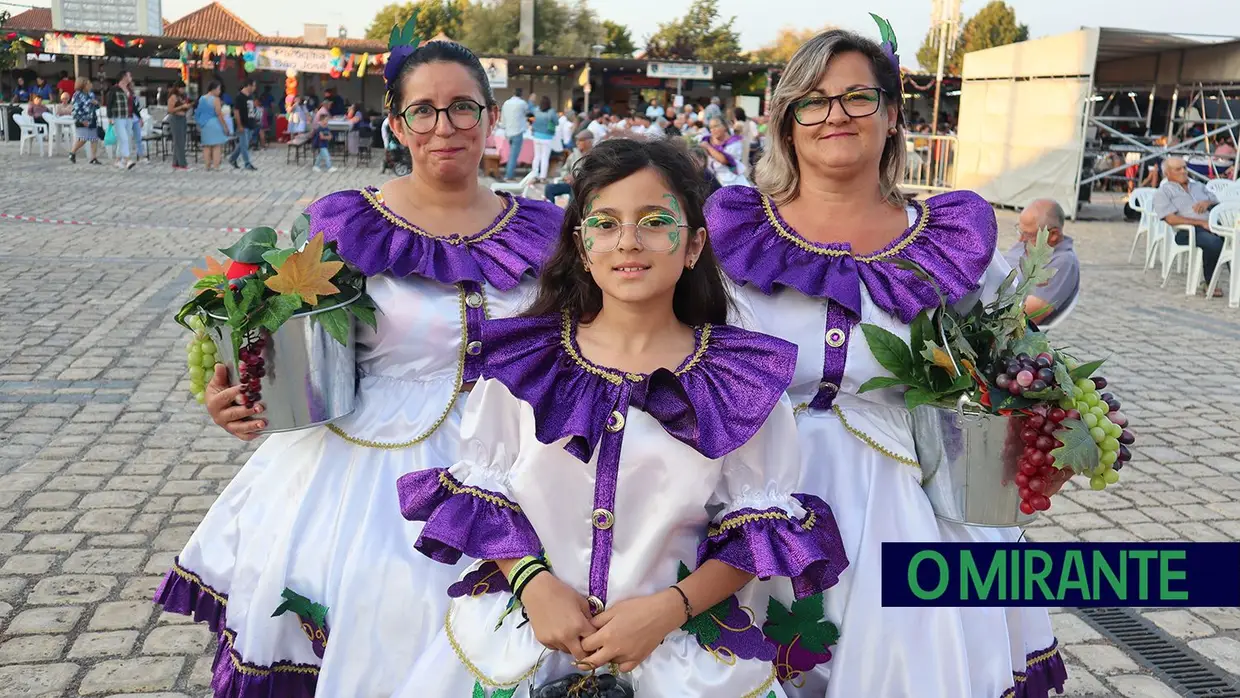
point(373, 238)
point(715, 401)
point(953, 238)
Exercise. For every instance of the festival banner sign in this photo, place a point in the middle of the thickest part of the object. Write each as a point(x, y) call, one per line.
point(303, 60)
point(72, 45)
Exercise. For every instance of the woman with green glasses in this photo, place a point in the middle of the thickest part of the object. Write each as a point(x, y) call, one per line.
point(304, 564)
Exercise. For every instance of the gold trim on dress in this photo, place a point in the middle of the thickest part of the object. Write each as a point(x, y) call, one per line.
point(728, 524)
point(254, 670)
point(474, 670)
point(376, 202)
point(450, 484)
point(923, 219)
point(566, 340)
point(194, 579)
point(869, 441)
point(460, 375)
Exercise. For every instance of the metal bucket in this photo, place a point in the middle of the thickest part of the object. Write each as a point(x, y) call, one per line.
point(969, 464)
point(311, 379)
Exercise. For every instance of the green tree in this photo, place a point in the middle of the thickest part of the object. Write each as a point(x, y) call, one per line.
point(993, 25)
point(434, 16)
point(785, 44)
point(560, 29)
point(617, 41)
point(9, 50)
point(699, 35)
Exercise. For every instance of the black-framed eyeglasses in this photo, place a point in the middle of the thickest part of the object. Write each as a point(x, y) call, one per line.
point(421, 117)
point(815, 109)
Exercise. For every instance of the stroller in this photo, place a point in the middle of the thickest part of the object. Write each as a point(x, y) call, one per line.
point(396, 156)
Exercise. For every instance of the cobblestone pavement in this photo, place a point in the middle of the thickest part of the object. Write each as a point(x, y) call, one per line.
point(106, 465)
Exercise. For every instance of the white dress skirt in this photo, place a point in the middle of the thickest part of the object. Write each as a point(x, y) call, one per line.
point(860, 455)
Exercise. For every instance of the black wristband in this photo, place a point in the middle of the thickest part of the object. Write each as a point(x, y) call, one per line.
point(518, 571)
point(688, 606)
point(526, 582)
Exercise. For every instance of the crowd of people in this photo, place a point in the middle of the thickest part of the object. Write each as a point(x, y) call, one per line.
point(623, 439)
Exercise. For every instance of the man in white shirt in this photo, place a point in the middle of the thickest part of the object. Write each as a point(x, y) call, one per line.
point(513, 117)
point(1180, 201)
point(654, 111)
point(599, 127)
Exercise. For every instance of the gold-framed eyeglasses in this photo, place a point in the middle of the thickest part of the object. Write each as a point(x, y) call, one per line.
point(422, 117)
point(815, 109)
point(657, 232)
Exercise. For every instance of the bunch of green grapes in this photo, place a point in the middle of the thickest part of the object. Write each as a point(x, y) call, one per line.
point(1100, 412)
point(200, 357)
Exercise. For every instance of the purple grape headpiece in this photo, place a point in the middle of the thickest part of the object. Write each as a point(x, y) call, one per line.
point(402, 43)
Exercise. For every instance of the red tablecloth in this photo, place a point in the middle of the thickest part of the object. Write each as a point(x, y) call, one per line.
point(527, 150)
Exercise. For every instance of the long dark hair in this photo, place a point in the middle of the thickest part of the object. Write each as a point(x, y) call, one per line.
point(564, 284)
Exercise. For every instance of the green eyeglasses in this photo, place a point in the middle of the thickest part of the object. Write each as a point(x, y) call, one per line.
point(658, 232)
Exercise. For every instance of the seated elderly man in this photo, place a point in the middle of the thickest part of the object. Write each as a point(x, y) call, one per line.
point(1179, 201)
point(1047, 300)
point(584, 140)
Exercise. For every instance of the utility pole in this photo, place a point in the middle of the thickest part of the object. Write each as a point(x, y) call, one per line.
point(525, 45)
point(945, 20)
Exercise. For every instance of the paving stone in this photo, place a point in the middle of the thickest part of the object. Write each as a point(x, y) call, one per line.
point(28, 563)
point(38, 680)
point(106, 561)
point(103, 644)
point(202, 673)
point(177, 640)
point(72, 588)
point(122, 615)
point(45, 620)
point(104, 521)
point(1070, 629)
point(112, 499)
point(54, 542)
point(142, 674)
point(51, 500)
point(1141, 686)
point(32, 648)
point(37, 521)
point(1181, 624)
point(1221, 618)
point(1101, 659)
point(1082, 683)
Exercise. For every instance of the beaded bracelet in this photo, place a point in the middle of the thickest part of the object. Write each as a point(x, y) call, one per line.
point(688, 606)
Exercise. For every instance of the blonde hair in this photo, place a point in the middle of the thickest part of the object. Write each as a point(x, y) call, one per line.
point(777, 174)
point(82, 83)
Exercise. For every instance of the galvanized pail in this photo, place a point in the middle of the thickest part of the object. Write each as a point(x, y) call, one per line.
point(969, 464)
point(311, 379)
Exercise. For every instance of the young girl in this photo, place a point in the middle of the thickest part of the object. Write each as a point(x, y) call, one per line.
point(622, 436)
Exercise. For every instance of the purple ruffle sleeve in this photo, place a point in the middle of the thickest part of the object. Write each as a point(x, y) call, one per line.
point(464, 520)
point(768, 543)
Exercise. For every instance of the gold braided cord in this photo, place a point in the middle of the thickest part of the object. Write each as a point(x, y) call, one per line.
point(907, 239)
point(728, 524)
point(255, 670)
point(871, 442)
point(460, 375)
point(194, 579)
point(450, 484)
point(376, 202)
point(766, 686)
point(474, 670)
point(566, 340)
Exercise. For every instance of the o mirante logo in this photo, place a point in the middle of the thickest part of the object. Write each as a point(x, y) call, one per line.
point(1061, 574)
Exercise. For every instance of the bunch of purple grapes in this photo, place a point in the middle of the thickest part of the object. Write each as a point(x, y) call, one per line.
point(1022, 373)
point(251, 369)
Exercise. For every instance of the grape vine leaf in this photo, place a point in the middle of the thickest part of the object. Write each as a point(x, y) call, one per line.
point(1033, 343)
point(880, 382)
point(250, 248)
point(1086, 370)
point(306, 274)
point(916, 397)
point(889, 350)
point(479, 692)
point(1063, 378)
point(1079, 451)
point(365, 314)
point(336, 322)
point(278, 310)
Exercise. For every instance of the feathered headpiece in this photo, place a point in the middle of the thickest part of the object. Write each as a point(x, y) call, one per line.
point(889, 42)
point(402, 43)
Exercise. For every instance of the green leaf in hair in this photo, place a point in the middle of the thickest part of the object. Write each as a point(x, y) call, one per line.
point(885, 31)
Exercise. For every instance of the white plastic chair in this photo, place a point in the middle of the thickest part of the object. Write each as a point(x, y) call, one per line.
point(1216, 186)
point(1231, 193)
point(1172, 251)
point(1142, 201)
point(31, 131)
point(1225, 222)
point(521, 188)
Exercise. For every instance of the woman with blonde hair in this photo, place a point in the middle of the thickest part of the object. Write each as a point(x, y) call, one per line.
point(814, 250)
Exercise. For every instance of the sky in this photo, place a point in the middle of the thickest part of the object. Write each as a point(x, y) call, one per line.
point(760, 21)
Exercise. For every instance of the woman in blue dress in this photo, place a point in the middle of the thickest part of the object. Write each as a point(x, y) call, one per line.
point(212, 131)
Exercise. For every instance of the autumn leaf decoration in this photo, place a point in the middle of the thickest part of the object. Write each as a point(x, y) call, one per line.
point(305, 274)
point(213, 275)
